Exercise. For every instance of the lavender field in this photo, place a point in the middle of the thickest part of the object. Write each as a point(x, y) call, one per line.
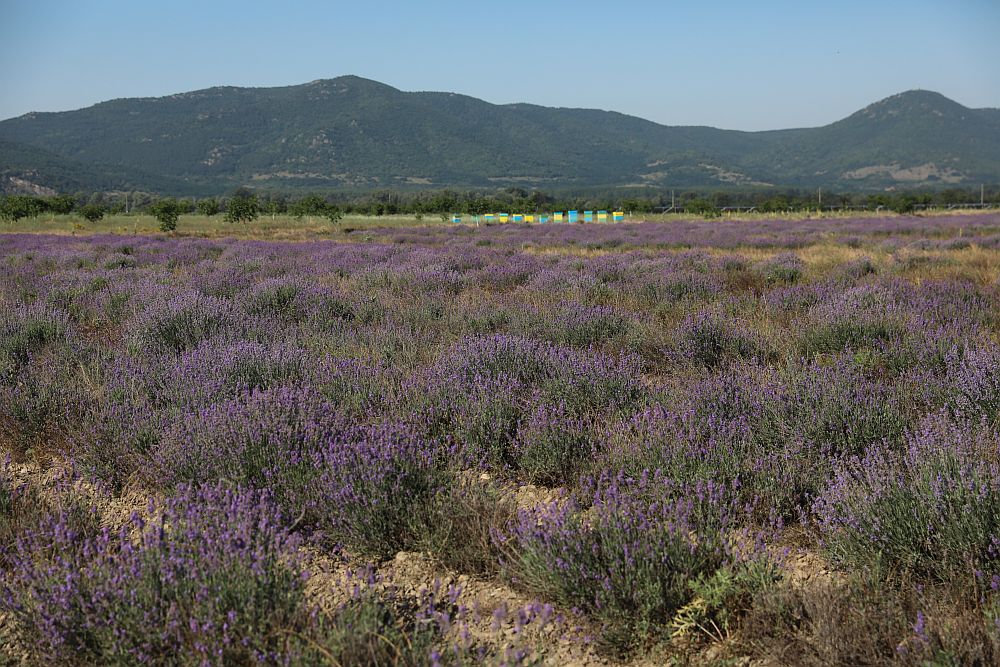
point(719, 442)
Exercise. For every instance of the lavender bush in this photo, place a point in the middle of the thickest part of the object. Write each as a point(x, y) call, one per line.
point(182, 322)
point(974, 382)
point(710, 337)
point(629, 558)
point(553, 443)
point(24, 330)
point(371, 483)
point(39, 408)
point(266, 439)
point(931, 508)
point(210, 579)
point(482, 392)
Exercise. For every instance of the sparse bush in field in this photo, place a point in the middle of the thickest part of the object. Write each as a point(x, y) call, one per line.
point(359, 389)
point(481, 392)
point(694, 447)
point(584, 326)
point(38, 394)
point(720, 600)
point(211, 579)
point(279, 298)
point(378, 629)
point(297, 300)
point(857, 318)
point(37, 411)
point(224, 282)
point(459, 524)
point(859, 268)
point(774, 437)
point(932, 508)
point(737, 428)
point(488, 318)
point(484, 420)
point(842, 411)
point(24, 508)
point(145, 396)
point(677, 285)
point(380, 625)
point(477, 395)
point(120, 262)
point(872, 618)
point(847, 333)
point(522, 360)
point(8, 495)
point(220, 369)
point(113, 439)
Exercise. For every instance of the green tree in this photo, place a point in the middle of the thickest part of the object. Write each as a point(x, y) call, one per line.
point(92, 212)
point(333, 213)
point(903, 204)
point(445, 201)
point(9, 212)
point(166, 211)
point(479, 206)
point(243, 207)
point(702, 207)
point(274, 205)
point(208, 207)
point(308, 205)
point(314, 205)
point(15, 207)
point(61, 204)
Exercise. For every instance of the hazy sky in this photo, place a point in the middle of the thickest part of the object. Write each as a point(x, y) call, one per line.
point(740, 65)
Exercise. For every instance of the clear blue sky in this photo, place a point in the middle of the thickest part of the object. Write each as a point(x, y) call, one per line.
point(740, 65)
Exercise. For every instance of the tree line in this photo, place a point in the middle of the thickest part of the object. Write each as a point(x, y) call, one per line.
point(241, 206)
point(244, 205)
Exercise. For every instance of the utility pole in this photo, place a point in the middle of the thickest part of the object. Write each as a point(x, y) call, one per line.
point(982, 190)
point(819, 194)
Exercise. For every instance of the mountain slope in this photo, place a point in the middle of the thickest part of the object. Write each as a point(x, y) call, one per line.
point(354, 133)
point(27, 169)
point(917, 136)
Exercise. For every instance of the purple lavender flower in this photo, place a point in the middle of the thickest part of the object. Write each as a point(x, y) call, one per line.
point(212, 576)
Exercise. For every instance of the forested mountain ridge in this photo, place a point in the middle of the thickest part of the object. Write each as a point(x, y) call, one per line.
point(353, 133)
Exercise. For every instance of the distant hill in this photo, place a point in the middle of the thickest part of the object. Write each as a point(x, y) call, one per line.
point(917, 137)
point(353, 133)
